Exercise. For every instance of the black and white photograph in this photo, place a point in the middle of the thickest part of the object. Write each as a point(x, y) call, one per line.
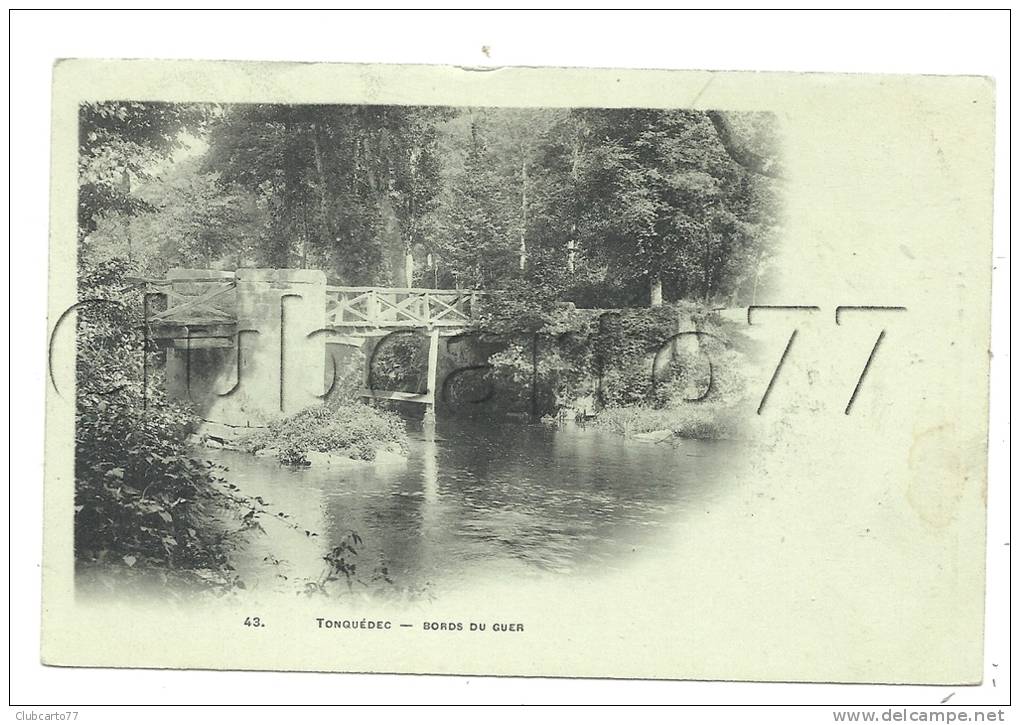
point(389, 351)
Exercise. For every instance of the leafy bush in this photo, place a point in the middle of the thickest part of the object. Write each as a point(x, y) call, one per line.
point(141, 502)
point(543, 354)
point(354, 430)
point(140, 499)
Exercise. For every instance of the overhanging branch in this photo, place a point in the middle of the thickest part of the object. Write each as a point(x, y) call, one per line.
point(738, 150)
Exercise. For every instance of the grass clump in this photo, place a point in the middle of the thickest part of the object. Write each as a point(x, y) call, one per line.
point(690, 421)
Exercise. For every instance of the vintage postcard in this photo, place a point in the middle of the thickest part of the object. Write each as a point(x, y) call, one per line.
point(532, 371)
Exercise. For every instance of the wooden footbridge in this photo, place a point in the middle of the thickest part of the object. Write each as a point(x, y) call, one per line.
point(378, 310)
point(206, 308)
point(200, 309)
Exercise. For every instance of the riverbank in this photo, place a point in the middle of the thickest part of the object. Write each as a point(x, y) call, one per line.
point(693, 420)
point(230, 537)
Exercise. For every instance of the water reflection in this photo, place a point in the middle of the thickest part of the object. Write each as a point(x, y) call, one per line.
point(474, 502)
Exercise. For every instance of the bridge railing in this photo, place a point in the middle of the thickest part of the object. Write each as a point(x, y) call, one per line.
point(399, 307)
point(206, 300)
point(194, 301)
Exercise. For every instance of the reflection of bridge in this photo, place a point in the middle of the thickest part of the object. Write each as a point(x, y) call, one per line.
point(284, 320)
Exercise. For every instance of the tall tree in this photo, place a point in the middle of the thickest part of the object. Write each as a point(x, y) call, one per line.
point(495, 220)
point(475, 227)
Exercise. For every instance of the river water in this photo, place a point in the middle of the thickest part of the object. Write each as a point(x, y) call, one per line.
point(479, 501)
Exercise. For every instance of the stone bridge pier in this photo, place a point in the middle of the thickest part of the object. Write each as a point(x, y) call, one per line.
point(266, 361)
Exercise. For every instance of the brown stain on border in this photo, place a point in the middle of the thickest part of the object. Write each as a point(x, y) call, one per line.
point(938, 475)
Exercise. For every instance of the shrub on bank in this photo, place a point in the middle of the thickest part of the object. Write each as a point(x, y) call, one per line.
point(142, 502)
point(143, 506)
point(698, 390)
point(353, 430)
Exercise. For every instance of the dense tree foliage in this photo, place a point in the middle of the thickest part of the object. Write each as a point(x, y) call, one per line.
point(119, 141)
point(185, 218)
point(348, 188)
point(663, 202)
point(602, 207)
